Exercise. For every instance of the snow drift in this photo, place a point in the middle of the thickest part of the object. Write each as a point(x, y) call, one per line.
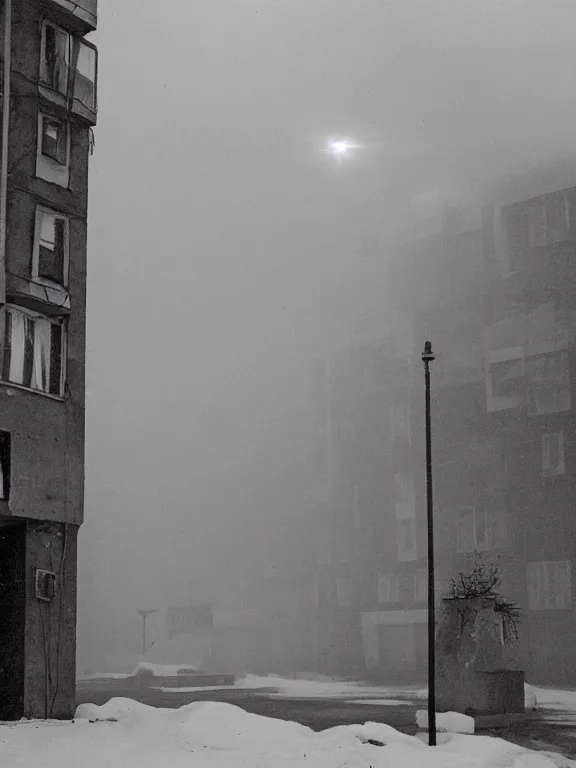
point(126, 734)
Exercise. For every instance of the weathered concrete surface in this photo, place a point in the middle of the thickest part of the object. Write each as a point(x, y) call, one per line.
point(472, 674)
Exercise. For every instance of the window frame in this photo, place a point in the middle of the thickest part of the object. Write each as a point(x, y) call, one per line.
point(484, 510)
point(59, 322)
point(340, 592)
point(390, 595)
point(42, 118)
point(76, 43)
point(537, 598)
point(41, 75)
point(406, 555)
point(547, 469)
point(396, 421)
point(420, 595)
point(39, 212)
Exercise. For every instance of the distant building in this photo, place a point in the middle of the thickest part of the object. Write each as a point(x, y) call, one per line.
point(498, 304)
point(51, 90)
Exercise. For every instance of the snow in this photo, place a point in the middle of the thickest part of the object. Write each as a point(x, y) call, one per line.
point(448, 722)
point(127, 734)
point(381, 702)
point(561, 701)
point(321, 689)
point(163, 670)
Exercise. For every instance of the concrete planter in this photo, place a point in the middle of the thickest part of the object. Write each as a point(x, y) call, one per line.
point(472, 677)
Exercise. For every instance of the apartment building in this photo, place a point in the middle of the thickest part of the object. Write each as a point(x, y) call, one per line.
point(498, 303)
point(49, 74)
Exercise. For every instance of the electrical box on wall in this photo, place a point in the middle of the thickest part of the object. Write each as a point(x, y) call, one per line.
point(45, 585)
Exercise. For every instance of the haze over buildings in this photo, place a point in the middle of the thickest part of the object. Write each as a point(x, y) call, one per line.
point(227, 251)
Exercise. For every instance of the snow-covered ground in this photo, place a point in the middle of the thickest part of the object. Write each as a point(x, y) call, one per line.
point(126, 734)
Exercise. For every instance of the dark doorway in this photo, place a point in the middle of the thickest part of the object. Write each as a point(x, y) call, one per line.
point(12, 618)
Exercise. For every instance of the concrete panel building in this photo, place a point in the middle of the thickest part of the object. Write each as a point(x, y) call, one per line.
point(49, 75)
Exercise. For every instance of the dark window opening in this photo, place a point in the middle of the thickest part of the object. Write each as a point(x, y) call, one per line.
point(5, 465)
point(55, 386)
point(52, 249)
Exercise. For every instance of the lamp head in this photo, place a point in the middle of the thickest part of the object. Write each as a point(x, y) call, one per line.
point(428, 355)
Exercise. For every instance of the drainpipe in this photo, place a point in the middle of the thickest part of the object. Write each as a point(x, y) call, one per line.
point(6, 87)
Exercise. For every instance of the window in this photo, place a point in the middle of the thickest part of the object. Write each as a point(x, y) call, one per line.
point(506, 383)
point(507, 377)
point(388, 588)
point(50, 260)
point(404, 495)
point(85, 76)
point(33, 351)
point(356, 509)
point(61, 53)
point(406, 541)
point(549, 586)
point(400, 421)
point(553, 454)
point(421, 585)
point(549, 383)
point(344, 592)
point(537, 226)
point(54, 139)
point(4, 465)
point(404, 487)
point(479, 529)
point(465, 537)
point(55, 63)
point(549, 220)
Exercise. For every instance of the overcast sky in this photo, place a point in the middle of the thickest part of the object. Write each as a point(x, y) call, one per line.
point(223, 242)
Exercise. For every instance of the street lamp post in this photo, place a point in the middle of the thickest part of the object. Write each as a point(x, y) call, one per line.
point(427, 358)
point(145, 615)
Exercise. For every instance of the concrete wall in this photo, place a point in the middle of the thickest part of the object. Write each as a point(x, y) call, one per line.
point(50, 635)
point(47, 433)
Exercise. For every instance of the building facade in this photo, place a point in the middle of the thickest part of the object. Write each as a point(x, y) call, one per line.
point(498, 303)
point(49, 84)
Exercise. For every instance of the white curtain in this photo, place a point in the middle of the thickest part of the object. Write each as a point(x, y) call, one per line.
point(17, 337)
point(41, 355)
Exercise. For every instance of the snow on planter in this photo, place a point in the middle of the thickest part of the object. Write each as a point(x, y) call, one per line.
point(446, 722)
point(144, 668)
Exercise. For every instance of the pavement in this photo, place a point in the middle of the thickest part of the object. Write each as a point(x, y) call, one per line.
point(543, 730)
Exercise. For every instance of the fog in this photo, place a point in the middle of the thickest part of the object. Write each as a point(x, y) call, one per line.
point(227, 250)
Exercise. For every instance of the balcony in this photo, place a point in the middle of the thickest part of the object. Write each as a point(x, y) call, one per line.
point(84, 10)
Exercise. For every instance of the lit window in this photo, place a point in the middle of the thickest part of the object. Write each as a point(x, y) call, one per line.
point(50, 261)
point(33, 351)
point(55, 61)
point(553, 454)
point(549, 586)
point(54, 139)
point(388, 588)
